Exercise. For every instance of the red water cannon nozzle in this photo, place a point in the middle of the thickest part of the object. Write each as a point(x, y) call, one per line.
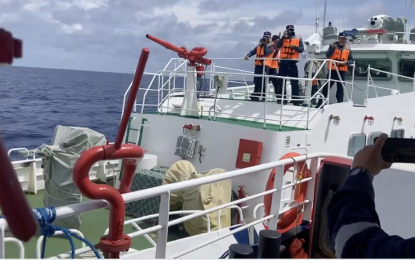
point(195, 56)
point(10, 48)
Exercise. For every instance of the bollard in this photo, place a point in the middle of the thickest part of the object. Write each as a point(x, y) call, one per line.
point(269, 244)
point(240, 251)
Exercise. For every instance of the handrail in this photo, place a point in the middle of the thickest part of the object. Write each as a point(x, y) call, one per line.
point(233, 91)
point(166, 189)
point(161, 74)
point(74, 209)
point(395, 76)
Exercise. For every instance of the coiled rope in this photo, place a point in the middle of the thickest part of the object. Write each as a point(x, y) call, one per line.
point(45, 218)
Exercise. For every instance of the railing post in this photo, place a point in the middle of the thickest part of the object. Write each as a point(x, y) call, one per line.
point(240, 251)
point(314, 163)
point(329, 86)
point(265, 104)
point(353, 71)
point(413, 83)
point(276, 197)
point(269, 244)
point(368, 83)
point(284, 81)
point(163, 221)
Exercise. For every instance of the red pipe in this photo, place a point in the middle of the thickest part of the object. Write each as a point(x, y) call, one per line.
point(167, 45)
point(129, 166)
point(21, 221)
point(9, 47)
point(139, 72)
point(116, 241)
point(195, 56)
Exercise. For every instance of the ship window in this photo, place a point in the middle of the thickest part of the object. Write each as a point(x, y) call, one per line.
point(356, 143)
point(398, 133)
point(379, 64)
point(372, 137)
point(406, 68)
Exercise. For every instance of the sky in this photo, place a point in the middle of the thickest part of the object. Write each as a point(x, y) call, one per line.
point(108, 35)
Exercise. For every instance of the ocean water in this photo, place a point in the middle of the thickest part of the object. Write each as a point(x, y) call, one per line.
point(34, 100)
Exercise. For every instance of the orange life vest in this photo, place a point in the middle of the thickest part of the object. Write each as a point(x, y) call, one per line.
point(340, 55)
point(287, 52)
point(260, 54)
point(274, 63)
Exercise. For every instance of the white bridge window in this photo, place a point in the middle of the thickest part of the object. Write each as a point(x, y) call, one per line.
point(356, 143)
point(406, 68)
point(398, 133)
point(361, 66)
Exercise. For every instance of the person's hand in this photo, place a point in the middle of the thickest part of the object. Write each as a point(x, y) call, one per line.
point(370, 157)
point(246, 57)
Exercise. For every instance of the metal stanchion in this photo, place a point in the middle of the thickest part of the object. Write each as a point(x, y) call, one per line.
point(240, 251)
point(269, 244)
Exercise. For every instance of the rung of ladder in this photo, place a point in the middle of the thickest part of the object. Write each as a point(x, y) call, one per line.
point(134, 129)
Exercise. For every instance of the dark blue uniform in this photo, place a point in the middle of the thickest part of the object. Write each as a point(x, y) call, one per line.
point(288, 68)
point(259, 69)
point(335, 76)
point(354, 225)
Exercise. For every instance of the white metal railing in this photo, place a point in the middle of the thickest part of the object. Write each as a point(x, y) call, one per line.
point(395, 76)
point(164, 192)
point(180, 70)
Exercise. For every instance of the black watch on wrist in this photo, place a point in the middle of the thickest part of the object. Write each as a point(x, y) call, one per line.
point(361, 171)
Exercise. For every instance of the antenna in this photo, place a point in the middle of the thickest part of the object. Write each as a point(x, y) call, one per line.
point(317, 18)
point(324, 16)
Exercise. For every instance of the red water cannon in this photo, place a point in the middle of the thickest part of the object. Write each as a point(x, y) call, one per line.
point(116, 241)
point(195, 56)
point(10, 48)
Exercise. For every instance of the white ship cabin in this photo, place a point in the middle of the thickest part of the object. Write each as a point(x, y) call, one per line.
point(208, 113)
point(385, 47)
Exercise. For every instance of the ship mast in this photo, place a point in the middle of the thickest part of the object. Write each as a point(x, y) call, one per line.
point(324, 16)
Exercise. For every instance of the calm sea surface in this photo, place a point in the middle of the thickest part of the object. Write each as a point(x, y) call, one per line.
point(34, 100)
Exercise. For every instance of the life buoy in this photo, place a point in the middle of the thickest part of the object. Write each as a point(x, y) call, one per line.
point(288, 219)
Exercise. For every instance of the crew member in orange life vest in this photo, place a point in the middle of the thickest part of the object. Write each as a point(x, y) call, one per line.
point(337, 51)
point(264, 50)
point(290, 48)
point(274, 63)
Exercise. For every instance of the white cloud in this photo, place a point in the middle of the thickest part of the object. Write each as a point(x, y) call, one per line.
point(108, 34)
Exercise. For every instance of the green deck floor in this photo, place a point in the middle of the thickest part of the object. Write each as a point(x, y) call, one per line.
point(268, 126)
point(94, 224)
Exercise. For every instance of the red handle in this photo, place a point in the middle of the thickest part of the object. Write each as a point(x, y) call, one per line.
point(9, 47)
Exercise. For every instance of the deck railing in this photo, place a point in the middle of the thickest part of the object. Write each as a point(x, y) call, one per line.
point(165, 190)
point(167, 88)
point(385, 91)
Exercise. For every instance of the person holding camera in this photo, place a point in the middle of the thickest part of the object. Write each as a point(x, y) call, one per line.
point(290, 48)
point(353, 223)
point(337, 51)
point(274, 64)
point(265, 49)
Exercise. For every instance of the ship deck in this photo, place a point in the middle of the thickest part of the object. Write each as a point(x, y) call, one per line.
point(94, 224)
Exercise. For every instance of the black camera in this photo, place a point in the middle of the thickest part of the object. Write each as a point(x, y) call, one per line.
point(290, 30)
point(263, 40)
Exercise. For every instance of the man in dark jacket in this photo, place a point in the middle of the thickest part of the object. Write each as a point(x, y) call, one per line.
point(337, 51)
point(354, 225)
point(265, 49)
